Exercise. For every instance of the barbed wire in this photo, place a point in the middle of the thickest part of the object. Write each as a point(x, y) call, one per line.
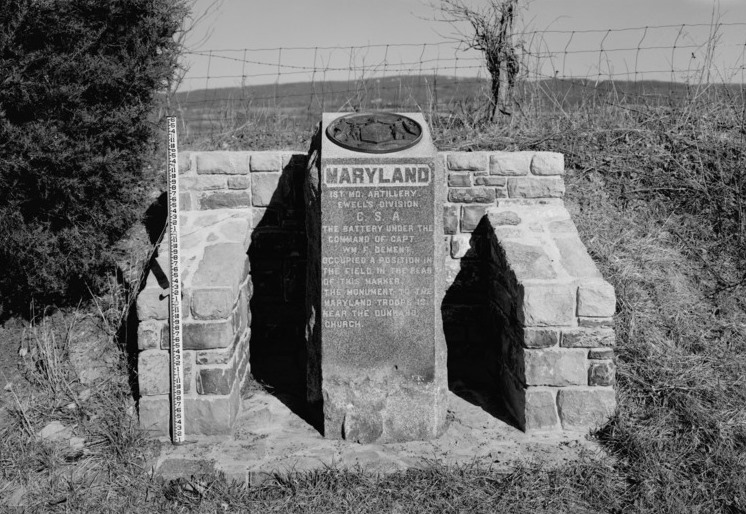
point(397, 75)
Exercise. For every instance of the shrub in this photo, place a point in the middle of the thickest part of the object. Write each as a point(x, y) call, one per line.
point(79, 81)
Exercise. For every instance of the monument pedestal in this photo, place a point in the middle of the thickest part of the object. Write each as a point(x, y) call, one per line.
point(376, 350)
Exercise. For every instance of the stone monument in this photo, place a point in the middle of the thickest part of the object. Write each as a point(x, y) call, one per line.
point(376, 349)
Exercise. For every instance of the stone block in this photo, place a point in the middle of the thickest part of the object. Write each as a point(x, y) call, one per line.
point(541, 409)
point(602, 373)
point(466, 161)
point(222, 163)
point(555, 367)
point(498, 218)
point(222, 265)
point(184, 163)
point(547, 305)
point(528, 261)
point(595, 322)
point(596, 299)
point(450, 219)
point(527, 187)
point(471, 195)
point(510, 163)
point(588, 337)
point(460, 245)
point(459, 179)
point(488, 180)
point(152, 303)
point(263, 188)
point(225, 200)
point(215, 380)
point(202, 183)
point(584, 408)
point(471, 215)
point(574, 257)
point(239, 182)
point(206, 335)
point(540, 337)
point(601, 353)
point(211, 415)
point(266, 161)
point(185, 201)
point(151, 334)
point(155, 414)
point(548, 163)
point(153, 372)
point(212, 302)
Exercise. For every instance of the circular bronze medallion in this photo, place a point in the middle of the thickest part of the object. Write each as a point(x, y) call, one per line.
point(374, 132)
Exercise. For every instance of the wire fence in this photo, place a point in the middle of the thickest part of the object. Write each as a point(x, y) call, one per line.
point(228, 87)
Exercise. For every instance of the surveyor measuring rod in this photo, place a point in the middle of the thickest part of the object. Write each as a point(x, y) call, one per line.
point(177, 360)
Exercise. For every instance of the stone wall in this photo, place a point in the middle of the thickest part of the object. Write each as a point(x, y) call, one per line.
point(242, 254)
point(540, 331)
point(525, 312)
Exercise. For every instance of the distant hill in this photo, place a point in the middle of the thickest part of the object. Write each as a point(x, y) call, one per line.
point(303, 102)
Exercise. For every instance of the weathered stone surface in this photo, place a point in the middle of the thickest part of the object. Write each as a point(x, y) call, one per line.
point(211, 415)
point(184, 163)
point(153, 372)
point(471, 195)
point(362, 428)
point(223, 265)
point(548, 163)
point(510, 163)
point(487, 180)
point(471, 215)
point(152, 303)
point(185, 201)
point(266, 161)
point(150, 334)
point(528, 261)
point(555, 367)
point(574, 257)
point(504, 218)
point(588, 337)
point(202, 183)
point(155, 414)
point(602, 373)
point(467, 161)
point(381, 348)
point(540, 337)
point(547, 305)
point(584, 408)
point(208, 334)
point(212, 302)
point(541, 409)
point(526, 187)
point(225, 200)
point(450, 219)
point(263, 187)
point(596, 299)
point(239, 182)
point(595, 322)
point(460, 245)
point(459, 179)
point(222, 163)
point(601, 353)
point(215, 380)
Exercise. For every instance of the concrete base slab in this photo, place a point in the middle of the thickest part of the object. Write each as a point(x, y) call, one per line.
point(270, 438)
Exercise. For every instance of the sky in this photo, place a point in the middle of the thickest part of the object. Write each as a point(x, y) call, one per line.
point(219, 59)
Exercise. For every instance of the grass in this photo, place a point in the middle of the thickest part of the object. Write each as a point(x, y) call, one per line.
point(657, 190)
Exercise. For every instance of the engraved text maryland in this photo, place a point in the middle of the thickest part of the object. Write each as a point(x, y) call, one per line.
point(377, 176)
